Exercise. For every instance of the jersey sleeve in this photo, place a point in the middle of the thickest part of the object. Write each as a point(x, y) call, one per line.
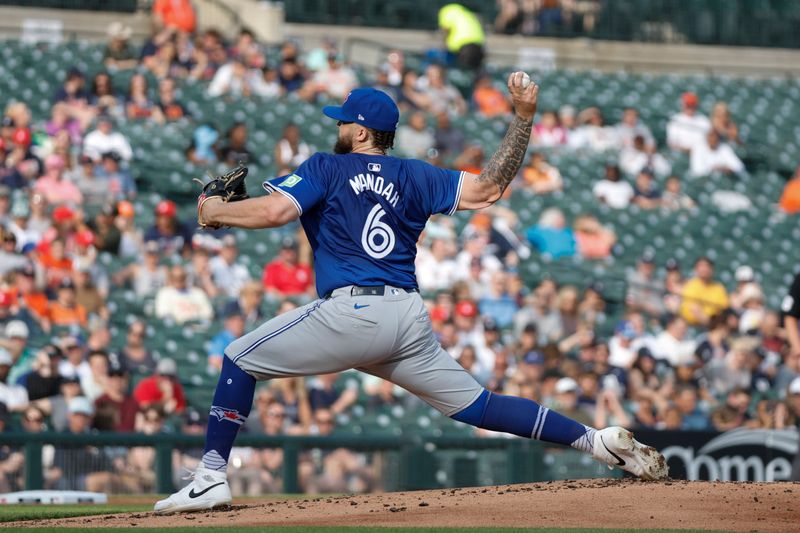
point(305, 187)
point(441, 188)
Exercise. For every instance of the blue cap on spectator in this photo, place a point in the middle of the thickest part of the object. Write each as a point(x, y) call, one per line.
point(366, 106)
point(625, 329)
point(534, 358)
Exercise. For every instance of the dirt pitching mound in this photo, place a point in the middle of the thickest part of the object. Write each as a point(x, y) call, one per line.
point(587, 503)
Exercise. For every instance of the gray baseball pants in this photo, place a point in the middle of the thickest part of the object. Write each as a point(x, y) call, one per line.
point(388, 336)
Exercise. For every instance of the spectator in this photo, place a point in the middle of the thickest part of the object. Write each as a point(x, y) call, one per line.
point(138, 103)
point(203, 149)
point(65, 309)
point(44, 380)
point(436, 269)
point(723, 124)
point(441, 96)
point(414, 139)
point(566, 400)
point(149, 276)
point(325, 396)
point(52, 185)
point(235, 79)
point(551, 235)
point(87, 295)
point(285, 276)
point(714, 156)
point(702, 297)
point(335, 81)
point(593, 133)
point(496, 303)
point(250, 298)
point(171, 235)
point(645, 193)
point(104, 139)
point(103, 98)
point(630, 127)
point(135, 357)
point(464, 35)
point(162, 390)
point(118, 53)
point(672, 345)
point(15, 340)
point(121, 404)
point(290, 75)
point(62, 121)
point(688, 128)
point(169, 107)
point(174, 14)
point(624, 345)
point(488, 99)
point(744, 276)
point(638, 157)
point(229, 274)
point(732, 372)
point(93, 189)
point(449, 140)
point(613, 190)
point(693, 418)
point(235, 151)
point(181, 303)
point(412, 97)
point(790, 198)
point(470, 160)
point(548, 133)
point(118, 180)
point(645, 291)
point(233, 329)
point(593, 240)
point(673, 198)
point(291, 151)
point(10, 259)
point(753, 310)
point(541, 177)
point(79, 468)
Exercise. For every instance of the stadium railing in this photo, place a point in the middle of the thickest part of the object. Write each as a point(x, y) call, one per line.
point(418, 462)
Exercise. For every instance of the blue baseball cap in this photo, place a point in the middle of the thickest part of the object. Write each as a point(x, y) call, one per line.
point(366, 106)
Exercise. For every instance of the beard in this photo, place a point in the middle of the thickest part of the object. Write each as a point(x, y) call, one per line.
point(343, 145)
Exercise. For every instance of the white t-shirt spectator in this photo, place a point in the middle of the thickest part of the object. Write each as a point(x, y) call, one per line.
point(685, 132)
point(414, 143)
point(182, 306)
point(632, 161)
point(675, 352)
point(229, 278)
point(225, 81)
point(616, 194)
point(434, 275)
point(704, 160)
point(98, 143)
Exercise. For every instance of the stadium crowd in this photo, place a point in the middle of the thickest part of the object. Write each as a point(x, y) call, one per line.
point(686, 353)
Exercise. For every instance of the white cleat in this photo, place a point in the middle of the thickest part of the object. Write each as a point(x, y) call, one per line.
point(617, 447)
point(208, 489)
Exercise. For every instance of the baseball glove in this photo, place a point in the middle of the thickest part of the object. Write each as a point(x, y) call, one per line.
point(230, 187)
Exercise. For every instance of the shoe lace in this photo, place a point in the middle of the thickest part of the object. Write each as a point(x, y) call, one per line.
point(188, 474)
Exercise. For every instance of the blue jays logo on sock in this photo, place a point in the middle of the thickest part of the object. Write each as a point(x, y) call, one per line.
point(231, 415)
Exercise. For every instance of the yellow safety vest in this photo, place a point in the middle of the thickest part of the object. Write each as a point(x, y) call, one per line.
point(463, 26)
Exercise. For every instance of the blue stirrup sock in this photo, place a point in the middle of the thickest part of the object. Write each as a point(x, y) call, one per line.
point(233, 400)
point(525, 418)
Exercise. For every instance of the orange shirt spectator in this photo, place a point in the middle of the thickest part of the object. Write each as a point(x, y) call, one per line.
point(594, 240)
point(489, 100)
point(56, 265)
point(175, 14)
point(790, 199)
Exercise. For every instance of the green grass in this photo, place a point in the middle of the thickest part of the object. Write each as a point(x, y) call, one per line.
point(12, 513)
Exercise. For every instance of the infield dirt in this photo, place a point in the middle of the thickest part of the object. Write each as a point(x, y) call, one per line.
point(632, 504)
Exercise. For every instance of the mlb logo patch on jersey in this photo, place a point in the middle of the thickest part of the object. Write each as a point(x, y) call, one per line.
point(374, 167)
point(291, 181)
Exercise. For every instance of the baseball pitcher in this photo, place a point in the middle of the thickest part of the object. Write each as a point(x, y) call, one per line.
point(363, 212)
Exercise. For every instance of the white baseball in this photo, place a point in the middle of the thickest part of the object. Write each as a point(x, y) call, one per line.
point(526, 80)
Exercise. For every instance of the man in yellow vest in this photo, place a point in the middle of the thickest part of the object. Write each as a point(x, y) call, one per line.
point(465, 35)
point(703, 297)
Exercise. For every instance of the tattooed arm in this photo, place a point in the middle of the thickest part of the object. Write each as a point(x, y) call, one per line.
point(484, 189)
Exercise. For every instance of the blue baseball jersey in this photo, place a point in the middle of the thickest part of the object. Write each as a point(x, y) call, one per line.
point(363, 214)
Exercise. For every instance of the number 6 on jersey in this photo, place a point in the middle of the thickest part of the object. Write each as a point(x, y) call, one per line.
point(377, 238)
